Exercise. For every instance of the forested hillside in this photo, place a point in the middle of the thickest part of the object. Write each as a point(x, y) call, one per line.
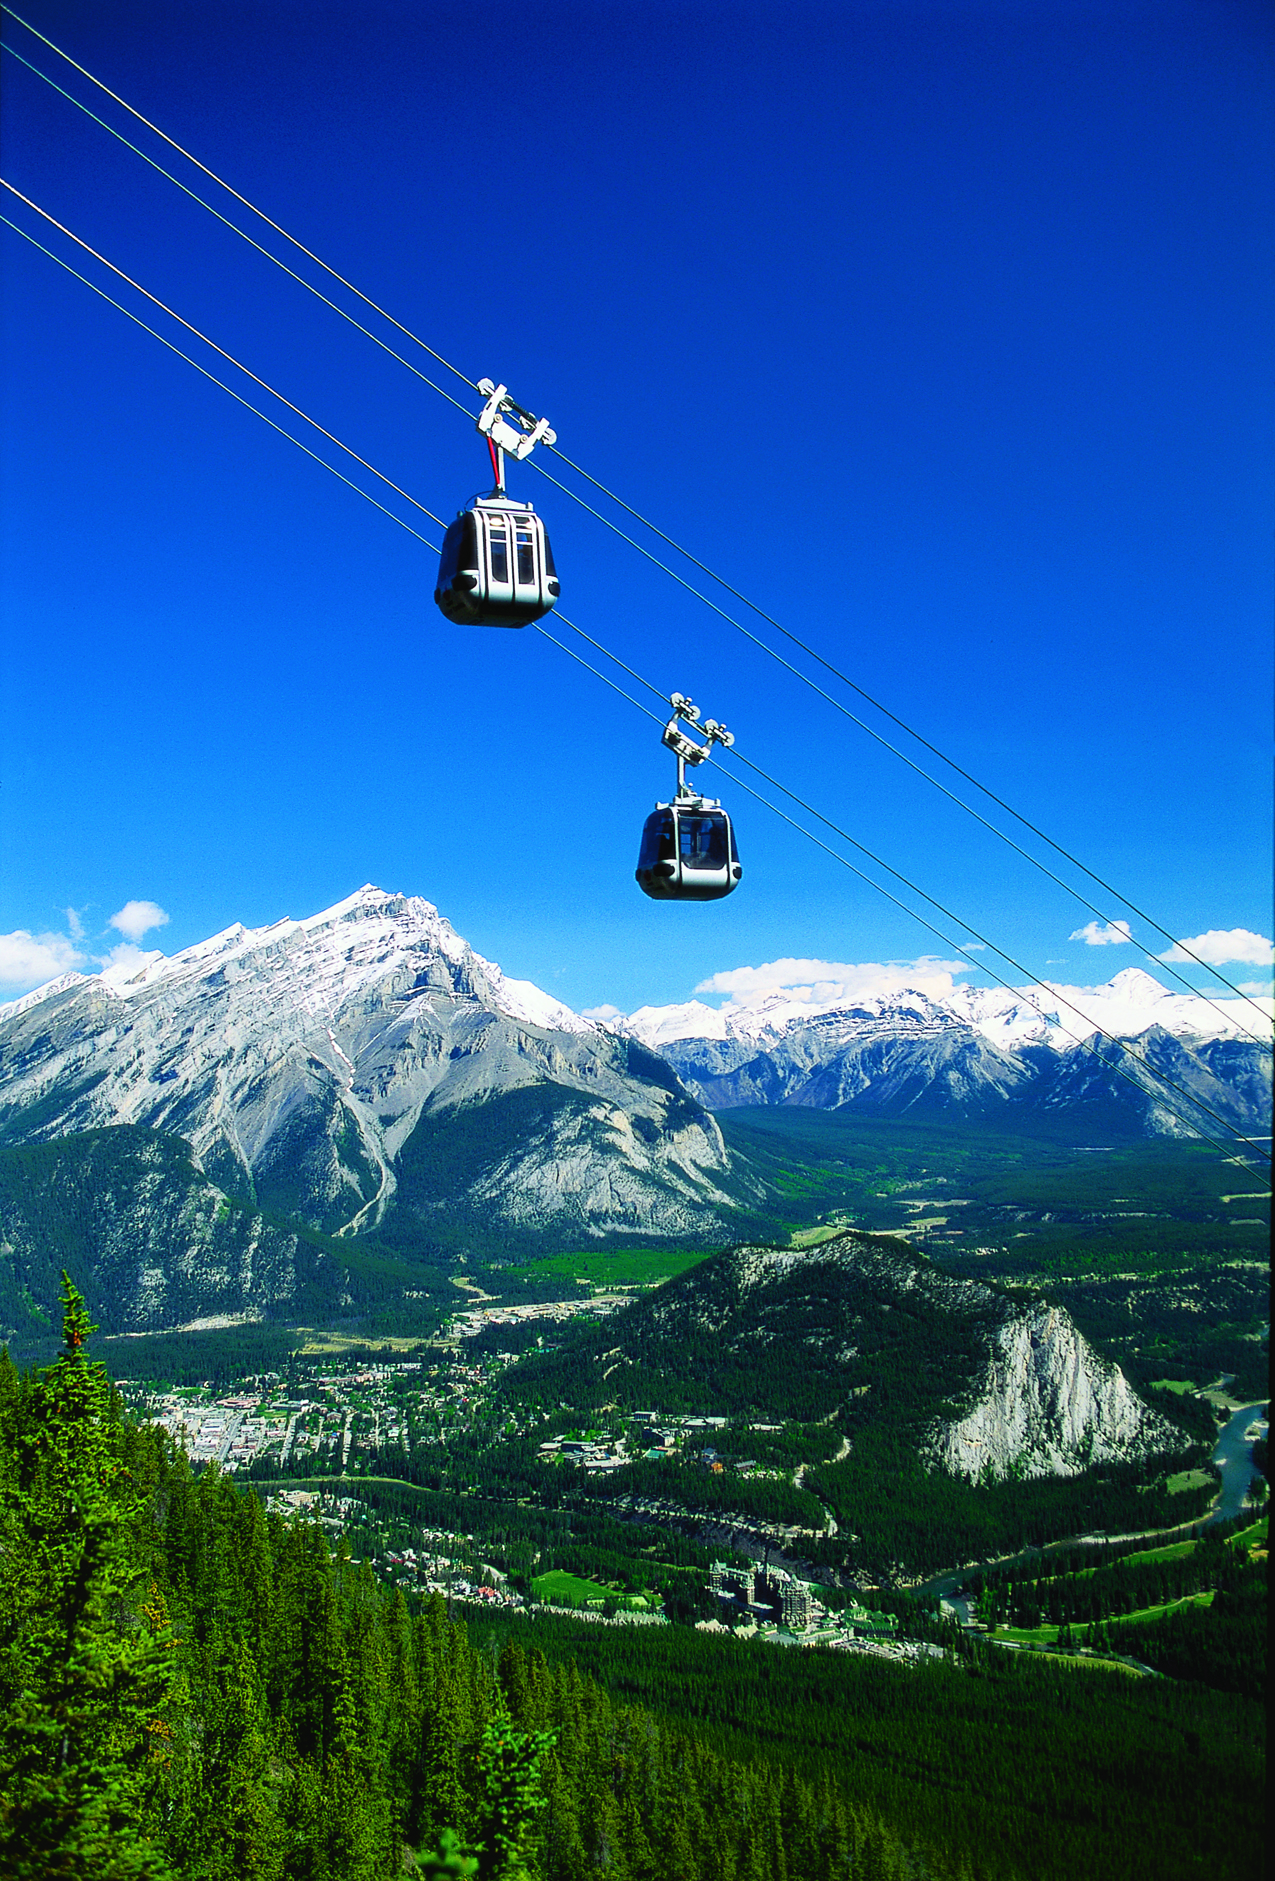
point(194, 1688)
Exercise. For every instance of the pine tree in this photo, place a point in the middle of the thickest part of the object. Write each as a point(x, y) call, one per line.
point(511, 1798)
point(86, 1655)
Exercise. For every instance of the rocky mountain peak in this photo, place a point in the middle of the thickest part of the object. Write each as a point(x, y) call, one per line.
point(298, 1059)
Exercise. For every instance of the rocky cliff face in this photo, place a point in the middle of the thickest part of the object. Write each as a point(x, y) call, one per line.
point(302, 1060)
point(1047, 1405)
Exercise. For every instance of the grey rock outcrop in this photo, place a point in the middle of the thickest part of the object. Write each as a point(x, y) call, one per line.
point(300, 1061)
point(1048, 1405)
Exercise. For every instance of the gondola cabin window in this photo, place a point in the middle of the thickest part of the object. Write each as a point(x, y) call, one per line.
point(703, 841)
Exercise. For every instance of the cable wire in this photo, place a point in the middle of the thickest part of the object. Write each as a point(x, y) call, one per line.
point(921, 919)
point(886, 743)
point(1019, 967)
point(231, 190)
point(238, 363)
point(894, 719)
point(611, 495)
point(1226, 1150)
point(916, 889)
point(242, 233)
point(1156, 1097)
point(248, 406)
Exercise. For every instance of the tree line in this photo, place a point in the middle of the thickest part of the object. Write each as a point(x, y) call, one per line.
point(194, 1687)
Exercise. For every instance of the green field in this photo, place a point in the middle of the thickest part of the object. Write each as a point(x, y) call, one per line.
point(1179, 1385)
point(1175, 1551)
point(1047, 1635)
point(1204, 1599)
point(613, 1266)
point(560, 1589)
point(1189, 1479)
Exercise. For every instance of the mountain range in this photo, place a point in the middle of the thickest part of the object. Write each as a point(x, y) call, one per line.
point(985, 1052)
point(216, 1127)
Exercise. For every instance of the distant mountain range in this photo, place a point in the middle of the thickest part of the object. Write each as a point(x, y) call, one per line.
point(986, 1053)
point(364, 1076)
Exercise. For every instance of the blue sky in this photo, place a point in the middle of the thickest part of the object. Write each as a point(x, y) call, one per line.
point(941, 330)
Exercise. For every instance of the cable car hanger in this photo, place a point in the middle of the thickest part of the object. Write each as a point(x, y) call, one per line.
point(496, 567)
point(519, 438)
point(688, 848)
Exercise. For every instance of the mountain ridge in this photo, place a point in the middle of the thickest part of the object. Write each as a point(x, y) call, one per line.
point(299, 1060)
point(857, 1328)
point(976, 1052)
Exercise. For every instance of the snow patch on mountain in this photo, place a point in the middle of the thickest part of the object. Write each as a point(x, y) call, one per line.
point(1052, 1014)
point(298, 1059)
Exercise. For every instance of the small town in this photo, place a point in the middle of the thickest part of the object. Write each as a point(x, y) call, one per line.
point(326, 1422)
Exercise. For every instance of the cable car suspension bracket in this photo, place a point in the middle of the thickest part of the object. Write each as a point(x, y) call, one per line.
point(518, 438)
point(684, 747)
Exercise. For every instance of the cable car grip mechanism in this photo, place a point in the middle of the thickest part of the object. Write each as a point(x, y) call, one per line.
point(684, 747)
point(520, 438)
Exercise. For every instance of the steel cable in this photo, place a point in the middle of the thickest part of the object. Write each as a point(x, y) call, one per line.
point(611, 495)
point(1122, 1045)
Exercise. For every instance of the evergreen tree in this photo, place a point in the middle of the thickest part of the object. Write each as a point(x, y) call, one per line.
point(86, 1661)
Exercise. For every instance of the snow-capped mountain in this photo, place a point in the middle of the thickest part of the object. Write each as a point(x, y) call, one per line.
point(366, 1069)
point(975, 1049)
point(1061, 1016)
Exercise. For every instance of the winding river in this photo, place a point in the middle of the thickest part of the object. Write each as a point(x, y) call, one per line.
point(1232, 1457)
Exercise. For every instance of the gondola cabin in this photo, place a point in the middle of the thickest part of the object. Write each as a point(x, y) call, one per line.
point(688, 852)
point(497, 567)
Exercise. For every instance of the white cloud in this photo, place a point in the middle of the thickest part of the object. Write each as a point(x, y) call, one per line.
point(1256, 989)
point(1102, 934)
point(75, 927)
point(125, 960)
point(136, 918)
point(1222, 944)
point(833, 982)
point(30, 959)
point(603, 1014)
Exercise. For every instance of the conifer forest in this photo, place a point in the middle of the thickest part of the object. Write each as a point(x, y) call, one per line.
point(194, 1686)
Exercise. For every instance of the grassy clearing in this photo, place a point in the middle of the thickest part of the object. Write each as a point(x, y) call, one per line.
point(1175, 1551)
point(1248, 1536)
point(811, 1237)
point(617, 1267)
point(1180, 1385)
point(561, 1589)
point(1204, 1599)
point(1189, 1479)
point(1048, 1635)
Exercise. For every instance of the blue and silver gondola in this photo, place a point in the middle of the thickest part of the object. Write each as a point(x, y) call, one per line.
point(688, 848)
point(496, 568)
point(688, 852)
